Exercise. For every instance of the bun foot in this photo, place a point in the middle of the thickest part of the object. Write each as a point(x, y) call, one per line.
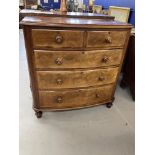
point(109, 105)
point(38, 114)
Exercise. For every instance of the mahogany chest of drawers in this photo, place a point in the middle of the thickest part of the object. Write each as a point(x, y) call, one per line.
point(73, 63)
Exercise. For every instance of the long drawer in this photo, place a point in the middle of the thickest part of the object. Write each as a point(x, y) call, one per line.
point(106, 39)
point(75, 79)
point(49, 39)
point(75, 98)
point(77, 59)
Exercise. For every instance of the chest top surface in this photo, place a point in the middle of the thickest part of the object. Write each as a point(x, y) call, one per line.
point(72, 22)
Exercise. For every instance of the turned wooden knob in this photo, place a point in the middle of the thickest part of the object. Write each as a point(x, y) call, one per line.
point(59, 99)
point(105, 59)
point(108, 39)
point(58, 39)
point(58, 61)
point(101, 78)
point(59, 81)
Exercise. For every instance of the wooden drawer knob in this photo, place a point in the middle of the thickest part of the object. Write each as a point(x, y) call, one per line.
point(101, 78)
point(105, 59)
point(58, 61)
point(59, 81)
point(59, 99)
point(58, 39)
point(108, 40)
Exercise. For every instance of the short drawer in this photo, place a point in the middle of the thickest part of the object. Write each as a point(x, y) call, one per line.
point(106, 39)
point(77, 59)
point(75, 98)
point(74, 79)
point(47, 39)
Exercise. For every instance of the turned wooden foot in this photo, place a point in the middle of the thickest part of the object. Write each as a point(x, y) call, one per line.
point(123, 84)
point(109, 105)
point(38, 114)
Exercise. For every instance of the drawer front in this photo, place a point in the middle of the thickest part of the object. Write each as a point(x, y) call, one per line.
point(106, 39)
point(75, 79)
point(77, 59)
point(46, 39)
point(74, 98)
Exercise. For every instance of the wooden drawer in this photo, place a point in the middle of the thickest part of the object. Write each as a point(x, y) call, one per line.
point(47, 39)
point(75, 79)
point(75, 98)
point(77, 59)
point(106, 39)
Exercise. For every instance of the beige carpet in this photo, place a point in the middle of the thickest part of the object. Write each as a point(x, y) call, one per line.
point(91, 131)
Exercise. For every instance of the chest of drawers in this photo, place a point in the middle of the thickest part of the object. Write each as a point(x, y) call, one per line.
point(73, 63)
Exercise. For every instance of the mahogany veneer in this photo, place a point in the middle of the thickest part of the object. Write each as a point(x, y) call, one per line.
point(73, 62)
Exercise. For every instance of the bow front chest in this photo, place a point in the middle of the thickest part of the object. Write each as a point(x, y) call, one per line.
point(73, 62)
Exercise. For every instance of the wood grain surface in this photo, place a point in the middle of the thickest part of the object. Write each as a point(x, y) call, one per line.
point(75, 79)
point(57, 38)
point(72, 22)
point(74, 98)
point(106, 38)
point(77, 59)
